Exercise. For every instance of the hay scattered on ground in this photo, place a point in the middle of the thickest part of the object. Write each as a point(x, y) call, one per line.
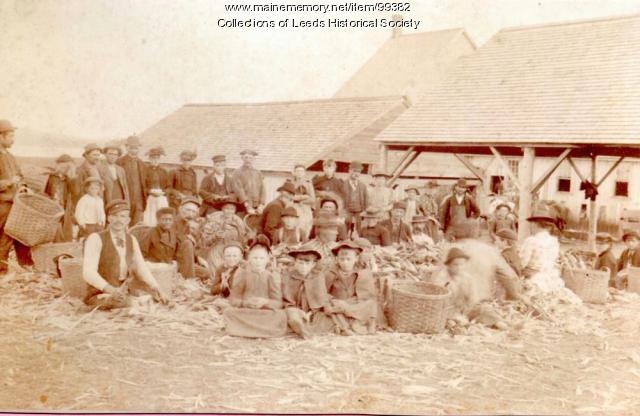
point(57, 355)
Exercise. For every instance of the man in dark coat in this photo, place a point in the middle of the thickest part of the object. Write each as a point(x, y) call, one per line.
point(355, 194)
point(62, 187)
point(114, 176)
point(183, 180)
point(457, 208)
point(10, 180)
point(90, 167)
point(216, 187)
point(248, 184)
point(399, 231)
point(327, 181)
point(135, 171)
point(272, 215)
point(162, 244)
point(372, 231)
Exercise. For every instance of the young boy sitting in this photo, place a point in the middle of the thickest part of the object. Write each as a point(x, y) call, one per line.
point(233, 255)
point(353, 306)
point(256, 297)
point(630, 257)
point(506, 241)
point(606, 258)
point(89, 213)
point(289, 233)
point(305, 294)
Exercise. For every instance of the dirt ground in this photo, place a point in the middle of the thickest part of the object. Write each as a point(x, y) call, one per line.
point(55, 356)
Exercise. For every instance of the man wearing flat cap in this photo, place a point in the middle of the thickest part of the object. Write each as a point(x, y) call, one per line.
point(456, 209)
point(216, 187)
point(356, 198)
point(272, 217)
point(248, 184)
point(62, 187)
point(90, 167)
point(10, 181)
point(112, 259)
point(135, 170)
point(183, 180)
point(113, 175)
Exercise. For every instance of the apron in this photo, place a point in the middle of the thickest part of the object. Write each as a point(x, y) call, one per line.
point(154, 203)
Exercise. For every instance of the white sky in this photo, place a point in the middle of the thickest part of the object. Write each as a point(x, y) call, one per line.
point(109, 68)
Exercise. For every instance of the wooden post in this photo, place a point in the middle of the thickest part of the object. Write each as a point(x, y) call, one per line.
point(475, 171)
point(384, 158)
point(414, 155)
point(526, 181)
point(593, 210)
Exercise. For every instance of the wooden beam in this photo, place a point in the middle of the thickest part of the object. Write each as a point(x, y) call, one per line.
point(506, 167)
point(545, 176)
point(593, 211)
point(406, 155)
point(526, 180)
point(469, 165)
point(576, 170)
point(414, 155)
point(610, 171)
point(384, 159)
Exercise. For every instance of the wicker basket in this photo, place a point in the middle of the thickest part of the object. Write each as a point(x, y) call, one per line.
point(72, 281)
point(418, 307)
point(633, 277)
point(590, 285)
point(34, 219)
point(44, 255)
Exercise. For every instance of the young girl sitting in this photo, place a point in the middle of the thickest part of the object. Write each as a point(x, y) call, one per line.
point(89, 213)
point(256, 298)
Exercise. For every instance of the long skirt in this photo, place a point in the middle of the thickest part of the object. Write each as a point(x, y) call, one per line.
point(305, 222)
point(154, 203)
point(255, 323)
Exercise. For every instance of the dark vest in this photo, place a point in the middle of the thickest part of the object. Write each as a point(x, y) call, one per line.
point(109, 264)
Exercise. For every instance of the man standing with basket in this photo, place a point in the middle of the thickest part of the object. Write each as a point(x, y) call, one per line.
point(10, 180)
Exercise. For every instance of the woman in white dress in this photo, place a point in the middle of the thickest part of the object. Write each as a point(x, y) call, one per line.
point(156, 184)
point(304, 199)
point(539, 253)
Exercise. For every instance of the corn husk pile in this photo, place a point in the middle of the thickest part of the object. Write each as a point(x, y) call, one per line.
point(408, 262)
point(563, 358)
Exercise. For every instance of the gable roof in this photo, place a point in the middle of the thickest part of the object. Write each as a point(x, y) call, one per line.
point(283, 133)
point(573, 83)
point(408, 64)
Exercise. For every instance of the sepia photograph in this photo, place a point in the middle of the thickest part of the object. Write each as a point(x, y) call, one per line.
point(425, 207)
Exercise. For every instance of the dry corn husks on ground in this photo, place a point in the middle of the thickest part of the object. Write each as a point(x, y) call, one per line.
point(560, 357)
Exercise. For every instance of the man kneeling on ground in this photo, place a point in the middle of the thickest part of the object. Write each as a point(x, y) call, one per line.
point(112, 258)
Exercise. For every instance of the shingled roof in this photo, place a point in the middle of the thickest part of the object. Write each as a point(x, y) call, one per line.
point(284, 133)
point(408, 64)
point(574, 83)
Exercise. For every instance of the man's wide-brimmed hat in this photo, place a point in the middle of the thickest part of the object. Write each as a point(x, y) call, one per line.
point(188, 155)
point(455, 253)
point(219, 158)
point(165, 211)
point(371, 213)
point(287, 187)
point(412, 188)
point(462, 183)
point(190, 200)
point(221, 204)
point(249, 152)
point(307, 248)
point(112, 145)
point(90, 148)
point(5, 126)
point(93, 179)
point(64, 158)
point(133, 141)
point(346, 244)
point(543, 215)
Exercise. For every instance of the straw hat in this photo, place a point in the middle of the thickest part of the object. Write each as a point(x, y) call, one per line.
point(455, 253)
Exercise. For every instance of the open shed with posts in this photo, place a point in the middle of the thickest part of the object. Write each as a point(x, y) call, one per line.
point(544, 95)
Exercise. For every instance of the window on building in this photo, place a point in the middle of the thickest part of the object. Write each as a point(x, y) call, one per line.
point(622, 181)
point(514, 165)
point(564, 178)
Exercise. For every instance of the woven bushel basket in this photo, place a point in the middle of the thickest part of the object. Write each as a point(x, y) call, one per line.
point(72, 281)
point(633, 284)
point(418, 307)
point(44, 254)
point(33, 219)
point(590, 285)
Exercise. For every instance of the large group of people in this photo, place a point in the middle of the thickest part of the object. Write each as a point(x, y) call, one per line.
point(300, 262)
